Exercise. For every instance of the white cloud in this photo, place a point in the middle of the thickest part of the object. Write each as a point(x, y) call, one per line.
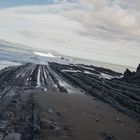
point(111, 19)
point(95, 30)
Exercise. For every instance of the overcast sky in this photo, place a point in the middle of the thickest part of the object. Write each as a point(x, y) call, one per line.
point(103, 30)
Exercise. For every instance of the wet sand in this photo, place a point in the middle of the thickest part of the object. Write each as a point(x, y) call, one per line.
point(83, 118)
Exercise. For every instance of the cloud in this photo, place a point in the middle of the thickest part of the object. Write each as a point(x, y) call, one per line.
point(103, 30)
point(111, 19)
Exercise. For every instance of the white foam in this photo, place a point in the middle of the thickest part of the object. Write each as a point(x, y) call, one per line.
point(71, 71)
point(6, 63)
point(44, 54)
point(106, 76)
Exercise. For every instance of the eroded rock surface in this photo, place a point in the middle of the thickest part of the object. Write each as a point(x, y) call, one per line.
point(19, 113)
point(121, 92)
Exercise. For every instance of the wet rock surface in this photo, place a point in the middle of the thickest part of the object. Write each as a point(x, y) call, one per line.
point(19, 112)
point(31, 76)
point(106, 85)
point(19, 118)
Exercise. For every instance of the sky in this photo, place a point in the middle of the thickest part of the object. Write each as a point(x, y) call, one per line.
point(11, 3)
point(102, 30)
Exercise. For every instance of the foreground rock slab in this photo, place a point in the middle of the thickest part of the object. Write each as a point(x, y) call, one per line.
point(63, 102)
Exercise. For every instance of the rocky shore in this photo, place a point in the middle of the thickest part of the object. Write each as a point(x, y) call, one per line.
point(35, 101)
point(122, 92)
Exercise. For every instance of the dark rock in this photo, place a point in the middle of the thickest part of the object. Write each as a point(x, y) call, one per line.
point(57, 130)
point(44, 124)
point(138, 68)
point(96, 120)
point(137, 74)
point(108, 136)
point(128, 74)
point(121, 93)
